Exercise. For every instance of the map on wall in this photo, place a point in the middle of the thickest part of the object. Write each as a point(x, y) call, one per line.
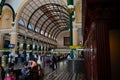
point(66, 41)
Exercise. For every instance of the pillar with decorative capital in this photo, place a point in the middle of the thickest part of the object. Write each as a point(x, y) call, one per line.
point(75, 36)
point(13, 40)
point(1, 40)
point(70, 10)
point(77, 24)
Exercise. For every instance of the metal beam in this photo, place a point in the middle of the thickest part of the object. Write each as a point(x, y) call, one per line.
point(58, 30)
point(49, 18)
point(42, 7)
point(53, 34)
point(70, 2)
point(45, 14)
point(53, 28)
point(65, 21)
point(57, 33)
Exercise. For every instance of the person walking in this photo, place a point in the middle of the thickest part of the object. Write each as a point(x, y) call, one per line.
point(54, 62)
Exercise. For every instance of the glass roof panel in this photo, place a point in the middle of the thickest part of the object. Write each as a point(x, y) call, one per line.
point(21, 22)
point(42, 32)
point(45, 15)
point(30, 26)
point(36, 29)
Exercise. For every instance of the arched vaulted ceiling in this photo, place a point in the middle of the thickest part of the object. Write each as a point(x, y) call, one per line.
point(50, 17)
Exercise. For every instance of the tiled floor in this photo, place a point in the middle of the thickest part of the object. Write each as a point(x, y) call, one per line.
point(62, 73)
point(60, 66)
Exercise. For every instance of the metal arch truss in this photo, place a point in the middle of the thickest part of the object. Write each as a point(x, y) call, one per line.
point(59, 31)
point(55, 26)
point(39, 8)
point(61, 13)
point(55, 22)
point(50, 18)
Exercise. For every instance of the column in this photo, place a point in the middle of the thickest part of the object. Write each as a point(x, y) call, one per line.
point(75, 36)
point(38, 47)
point(28, 46)
point(77, 25)
point(1, 40)
point(13, 40)
point(1, 44)
point(70, 10)
point(78, 11)
point(41, 48)
point(44, 48)
point(25, 45)
point(102, 52)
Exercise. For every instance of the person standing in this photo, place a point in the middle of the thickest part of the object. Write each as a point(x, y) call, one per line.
point(2, 73)
point(54, 62)
point(23, 56)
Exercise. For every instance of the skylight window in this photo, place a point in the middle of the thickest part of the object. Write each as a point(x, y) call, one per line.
point(29, 26)
point(42, 32)
point(36, 30)
point(49, 36)
point(46, 34)
point(21, 22)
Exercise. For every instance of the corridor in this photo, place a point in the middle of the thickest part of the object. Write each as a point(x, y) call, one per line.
point(88, 29)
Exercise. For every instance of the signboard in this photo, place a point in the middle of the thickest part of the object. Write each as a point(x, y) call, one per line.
point(75, 47)
point(11, 45)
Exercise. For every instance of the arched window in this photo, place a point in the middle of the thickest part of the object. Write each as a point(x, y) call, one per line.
point(49, 36)
point(21, 22)
point(36, 30)
point(30, 26)
point(46, 34)
point(42, 32)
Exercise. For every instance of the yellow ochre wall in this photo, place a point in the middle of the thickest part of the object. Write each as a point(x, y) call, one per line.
point(115, 53)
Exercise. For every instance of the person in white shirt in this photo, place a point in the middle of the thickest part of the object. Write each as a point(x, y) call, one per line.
point(68, 57)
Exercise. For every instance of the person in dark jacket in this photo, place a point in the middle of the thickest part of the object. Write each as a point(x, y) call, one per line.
point(54, 62)
point(2, 73)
